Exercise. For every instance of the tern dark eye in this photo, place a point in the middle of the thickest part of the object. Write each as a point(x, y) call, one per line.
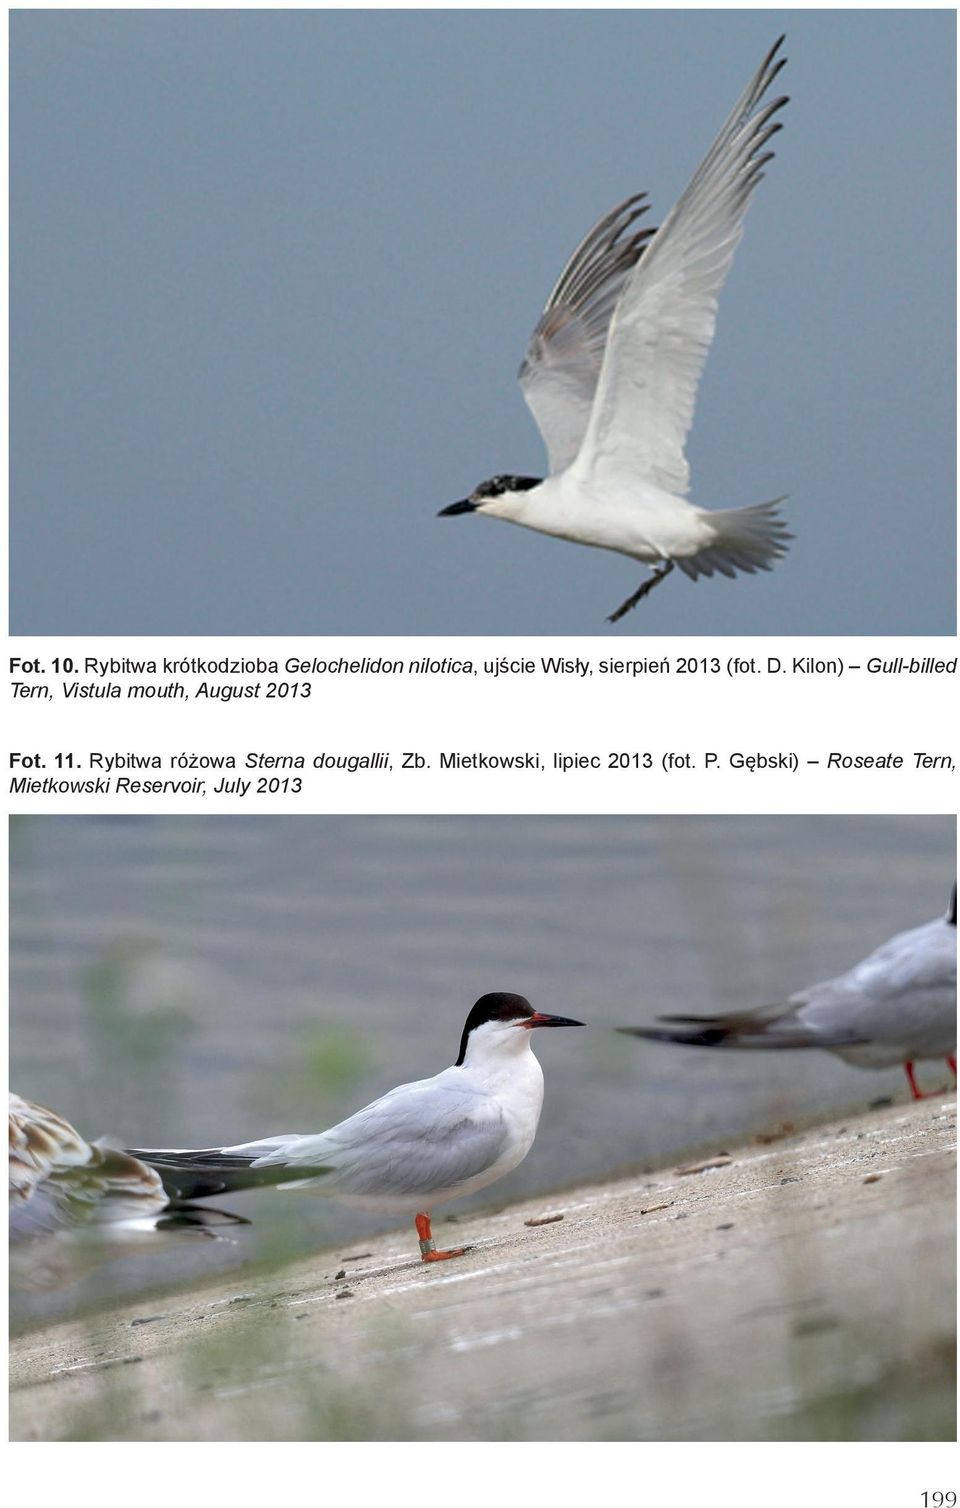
point(498, 485)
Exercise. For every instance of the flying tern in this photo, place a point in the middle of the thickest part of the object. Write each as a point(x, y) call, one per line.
point(611, 375)
point(74, 1203)
point(415, 1147)
point(896, 1006)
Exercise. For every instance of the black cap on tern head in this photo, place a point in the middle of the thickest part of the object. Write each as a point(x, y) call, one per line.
point(510, 1009)
point(495, 487)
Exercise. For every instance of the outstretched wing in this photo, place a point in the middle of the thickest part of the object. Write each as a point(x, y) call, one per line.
point(664, 322)
point(560, 370)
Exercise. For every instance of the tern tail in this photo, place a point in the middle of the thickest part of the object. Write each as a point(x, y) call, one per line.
point(744, 539)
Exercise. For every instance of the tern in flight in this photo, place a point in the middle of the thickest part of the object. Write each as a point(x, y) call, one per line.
point(612, 368)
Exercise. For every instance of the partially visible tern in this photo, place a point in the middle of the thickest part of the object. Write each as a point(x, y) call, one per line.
point(895, 1006)
point(415, 1147)
point(612, 369)
point(75, 1203)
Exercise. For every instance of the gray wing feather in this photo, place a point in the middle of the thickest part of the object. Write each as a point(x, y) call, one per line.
point(759, 1030)
point(664, 321)
point(418, 1138)
point(904, 994)
point(562, 364)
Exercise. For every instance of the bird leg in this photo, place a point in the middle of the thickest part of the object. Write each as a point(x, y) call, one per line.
point(915, 1091)
point(428, 1250)
point(642, 590)
point(918, 1093)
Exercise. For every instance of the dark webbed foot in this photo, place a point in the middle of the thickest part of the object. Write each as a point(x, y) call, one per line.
point(642, 590)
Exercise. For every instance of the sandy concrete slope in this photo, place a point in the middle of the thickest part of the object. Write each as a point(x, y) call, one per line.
point(802, 1288)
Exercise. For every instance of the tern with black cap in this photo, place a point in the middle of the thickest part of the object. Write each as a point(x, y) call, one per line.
point(415, 1147)
point(612, 368)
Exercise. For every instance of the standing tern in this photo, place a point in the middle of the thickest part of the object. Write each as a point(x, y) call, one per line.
point(895, 1006)
point(612, 368)
point(74, 1203)
point(415, 1147)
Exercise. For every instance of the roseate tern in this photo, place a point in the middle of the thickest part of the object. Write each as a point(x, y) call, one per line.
point(612, 368)
point(75, 1203)
point(895, 1006)
point(415, 1147)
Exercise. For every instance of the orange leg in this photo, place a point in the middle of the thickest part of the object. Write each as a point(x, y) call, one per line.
point(918, 1093)
point(428, 1251)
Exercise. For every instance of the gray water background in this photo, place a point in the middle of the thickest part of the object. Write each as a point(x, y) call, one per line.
point(188, 981)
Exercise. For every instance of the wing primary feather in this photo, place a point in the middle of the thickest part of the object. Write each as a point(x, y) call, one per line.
point(559, 371)
point(665, 315)
point(596, 242)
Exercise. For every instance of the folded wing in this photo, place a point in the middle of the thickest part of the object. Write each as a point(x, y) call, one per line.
point(419, 1138)
point(776, 1027)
